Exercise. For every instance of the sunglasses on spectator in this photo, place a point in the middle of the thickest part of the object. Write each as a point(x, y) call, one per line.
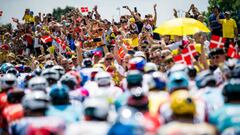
point(109, 59)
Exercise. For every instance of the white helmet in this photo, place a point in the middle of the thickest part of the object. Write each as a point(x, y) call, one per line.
point(38, 83)
point(49, 64)
point(60, 69)
point(103, 79)
point(69, 80)
point(51, 75)
point(150, 67)
point(8, 81)
point(96, 108)
point(178, 67)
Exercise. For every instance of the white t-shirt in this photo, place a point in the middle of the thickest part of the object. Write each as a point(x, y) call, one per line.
point(36, 40)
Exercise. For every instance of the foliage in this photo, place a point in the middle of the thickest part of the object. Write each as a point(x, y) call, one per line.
point(58, 12)
point(7, 26)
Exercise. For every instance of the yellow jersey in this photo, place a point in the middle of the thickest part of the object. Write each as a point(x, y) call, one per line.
point(228, 26)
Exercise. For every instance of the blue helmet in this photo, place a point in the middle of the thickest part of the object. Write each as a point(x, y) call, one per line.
point(159, 80)
point(177, 80)
point(127, 123)
point(59, 94)
point(84, 77)
point(5, 67)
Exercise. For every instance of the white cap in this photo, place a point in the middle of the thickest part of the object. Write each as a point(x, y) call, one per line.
point(139, 54)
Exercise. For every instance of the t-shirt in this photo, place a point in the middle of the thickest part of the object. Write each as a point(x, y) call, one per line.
point(36, 40)
point(214, 23)
point(228, 26)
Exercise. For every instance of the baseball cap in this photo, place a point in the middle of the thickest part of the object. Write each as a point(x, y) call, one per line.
point(227, 12)
point(139, 54)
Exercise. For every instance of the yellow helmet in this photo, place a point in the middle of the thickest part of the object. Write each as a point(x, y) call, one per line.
point(103, 67)
point(132, 20)
point(182, 103)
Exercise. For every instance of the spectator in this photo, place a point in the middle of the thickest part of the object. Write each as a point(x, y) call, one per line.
point(229, 26)
point(215, 26)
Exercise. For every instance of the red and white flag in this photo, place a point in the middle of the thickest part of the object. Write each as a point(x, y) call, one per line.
point(217, 42)
point(179, 59)
point(84, 9)
point(46, 39)
point(1, 13)
point(61, 43)
point(232, 52)
point(186, 55)
point(187, 60)
point(189, 50)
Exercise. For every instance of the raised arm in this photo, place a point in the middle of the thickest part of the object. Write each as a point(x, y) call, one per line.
point(115, 53)
point(218, 19)
point(175, 13)
point(155, 14)
point(79, 52)
point(132, 13)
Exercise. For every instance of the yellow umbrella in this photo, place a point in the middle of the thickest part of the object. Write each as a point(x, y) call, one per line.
point(181, 27)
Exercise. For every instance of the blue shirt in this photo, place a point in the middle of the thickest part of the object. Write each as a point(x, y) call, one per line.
point(214, 25)
point(70, 113)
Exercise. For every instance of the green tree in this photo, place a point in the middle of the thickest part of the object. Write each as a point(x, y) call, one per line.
point(58, 12)
point(226, 5)
point(7, 26)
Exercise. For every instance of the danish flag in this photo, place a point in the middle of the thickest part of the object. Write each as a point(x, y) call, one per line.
point(186, 56)
point(61, 43)
point(232, 52)
point(84, 9)
point(217, 42)
point(46, 39)
point(189, 50)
